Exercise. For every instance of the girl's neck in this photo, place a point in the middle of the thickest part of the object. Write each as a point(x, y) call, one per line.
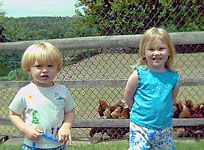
point(157, 69)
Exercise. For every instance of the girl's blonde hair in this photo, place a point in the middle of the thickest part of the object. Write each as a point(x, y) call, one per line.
point(150, 35)
point(44, 53)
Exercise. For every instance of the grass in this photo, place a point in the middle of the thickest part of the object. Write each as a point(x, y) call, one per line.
point(180, 145)
point(192, 145)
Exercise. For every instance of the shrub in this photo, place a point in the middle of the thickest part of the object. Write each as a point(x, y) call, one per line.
point(18, 75)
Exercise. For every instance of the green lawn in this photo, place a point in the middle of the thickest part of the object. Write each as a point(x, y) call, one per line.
point(180, 145)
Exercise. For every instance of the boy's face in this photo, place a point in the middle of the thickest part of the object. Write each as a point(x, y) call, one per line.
point(43, 75)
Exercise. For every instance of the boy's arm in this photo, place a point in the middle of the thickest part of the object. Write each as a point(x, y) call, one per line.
point(64, 133)
point(31, 133)
point(17, 120)
point(130, 89)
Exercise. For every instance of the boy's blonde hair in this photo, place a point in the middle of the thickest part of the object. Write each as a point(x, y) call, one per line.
point(150, 35)
point(44, 53)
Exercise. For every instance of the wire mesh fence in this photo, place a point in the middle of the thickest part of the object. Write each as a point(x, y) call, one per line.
point(133, 17)
point(115, 63)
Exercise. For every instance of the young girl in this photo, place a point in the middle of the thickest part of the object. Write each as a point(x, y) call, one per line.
point(150, 92)
point(46, 107)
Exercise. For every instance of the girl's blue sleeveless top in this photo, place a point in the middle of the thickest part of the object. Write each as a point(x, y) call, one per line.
point(153, 101)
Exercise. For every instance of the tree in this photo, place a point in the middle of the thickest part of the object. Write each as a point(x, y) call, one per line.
point(2, 12)
point(113, 17)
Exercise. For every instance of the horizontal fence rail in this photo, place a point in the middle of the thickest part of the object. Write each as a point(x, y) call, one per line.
point(107, 123)
point(97, 83)
point(117, 41)
point(90, 123)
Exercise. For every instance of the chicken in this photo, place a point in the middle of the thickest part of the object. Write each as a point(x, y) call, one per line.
point(191, 111)
point(197, 131)
point(191, 131)
point(116, 113)
point(107, 114)
point(110, 112)
point(177, 108)
point(102, 107)
point(188, 111)
point(179, 131)
point(117, 133)
point(118, 104)
point(125, 114)
point(198, 111)
point(95, 130)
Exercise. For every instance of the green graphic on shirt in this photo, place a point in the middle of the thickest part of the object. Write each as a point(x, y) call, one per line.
point(34, 117)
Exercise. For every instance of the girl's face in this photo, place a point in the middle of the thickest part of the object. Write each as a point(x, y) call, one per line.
point(156, 54)
point(43, 75)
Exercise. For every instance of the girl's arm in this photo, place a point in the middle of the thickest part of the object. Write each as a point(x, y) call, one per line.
point(64, 133)
point(130, 89)
point(32, 133)
point(175, 92)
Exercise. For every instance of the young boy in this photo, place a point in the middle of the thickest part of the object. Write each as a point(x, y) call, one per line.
point(46, 107)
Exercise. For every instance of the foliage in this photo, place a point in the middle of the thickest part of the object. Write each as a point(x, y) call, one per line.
point(29, 28)
point(37, 28)
point(2, 37)
point(18, 75)
point(111, 17)
point(8, 62)
point(2, 12)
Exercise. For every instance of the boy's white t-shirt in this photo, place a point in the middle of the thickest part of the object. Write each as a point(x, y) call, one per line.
point(44, 109)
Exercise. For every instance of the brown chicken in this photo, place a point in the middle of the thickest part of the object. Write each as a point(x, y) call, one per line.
point(198, 110)
point(125, 114)
point(189, 110)
point(116, 113)
point(117, 133)
point(118, 104)
point(107, 114)
point(102, 107)
point(95, 130)
point(110, 112)
point(177, 108)
point(179, 131)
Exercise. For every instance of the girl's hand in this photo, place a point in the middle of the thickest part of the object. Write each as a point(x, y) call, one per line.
point(33, 134)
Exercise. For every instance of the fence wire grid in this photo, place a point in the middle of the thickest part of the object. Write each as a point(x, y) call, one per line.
point(114, 64)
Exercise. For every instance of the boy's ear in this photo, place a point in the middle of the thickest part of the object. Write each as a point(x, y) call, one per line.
point(28, 72)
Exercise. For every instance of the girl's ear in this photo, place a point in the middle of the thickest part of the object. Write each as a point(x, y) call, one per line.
point(169, 52)
point(169, 57)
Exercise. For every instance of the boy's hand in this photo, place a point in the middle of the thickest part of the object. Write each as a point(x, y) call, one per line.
point(64, 135)
point(33, 134)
